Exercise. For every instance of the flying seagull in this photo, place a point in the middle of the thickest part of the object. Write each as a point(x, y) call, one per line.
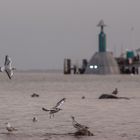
point(77, 125)
point(10, 128)
point(7, 67)
point(56, 108)
point(115, 92)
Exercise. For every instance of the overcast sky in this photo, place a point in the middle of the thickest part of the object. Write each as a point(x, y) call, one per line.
point(39, 34)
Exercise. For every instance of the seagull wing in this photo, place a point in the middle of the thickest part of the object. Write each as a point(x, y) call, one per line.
point(77, 125)
point(60, 103)
point(44, 109)
point(7, 66)
point(7, 61)
point(9, 73)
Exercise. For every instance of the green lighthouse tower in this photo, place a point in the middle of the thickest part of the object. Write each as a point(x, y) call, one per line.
point(102, 37)
point(102, 62)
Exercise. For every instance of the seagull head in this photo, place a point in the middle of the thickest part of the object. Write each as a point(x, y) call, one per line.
point(72, 117)
point(8, 124)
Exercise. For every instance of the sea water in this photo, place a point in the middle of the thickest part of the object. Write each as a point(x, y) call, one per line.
point(107, 119)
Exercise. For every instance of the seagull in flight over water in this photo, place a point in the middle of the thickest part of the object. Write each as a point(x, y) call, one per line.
point(7, 67)
point(56, 108)
point(10, 128)
point(77, 125)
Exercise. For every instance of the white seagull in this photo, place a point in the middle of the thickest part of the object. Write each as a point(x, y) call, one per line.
point(7, 67)
point(10, 128)
point(56, 108)
point(78, 126)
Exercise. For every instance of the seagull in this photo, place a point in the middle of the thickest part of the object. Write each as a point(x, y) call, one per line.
point(7, 67)
point(77, 125)
point(56, 108)
point(34, 119)
point(10, 128)
point(115, 92)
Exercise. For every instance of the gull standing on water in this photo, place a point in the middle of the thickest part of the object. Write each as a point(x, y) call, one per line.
point(34, 119)
point(10, 128)
point(82, 130)
point(56, 108)
point(7, 67)
point(78, 126)
point(115, 92)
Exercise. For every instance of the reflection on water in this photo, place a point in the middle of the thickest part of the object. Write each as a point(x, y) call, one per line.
point(107, 119)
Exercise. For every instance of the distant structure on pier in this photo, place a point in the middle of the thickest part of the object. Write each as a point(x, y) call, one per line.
point(102, 62)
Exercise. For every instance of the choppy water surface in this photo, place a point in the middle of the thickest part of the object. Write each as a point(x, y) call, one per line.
point(107, 119)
